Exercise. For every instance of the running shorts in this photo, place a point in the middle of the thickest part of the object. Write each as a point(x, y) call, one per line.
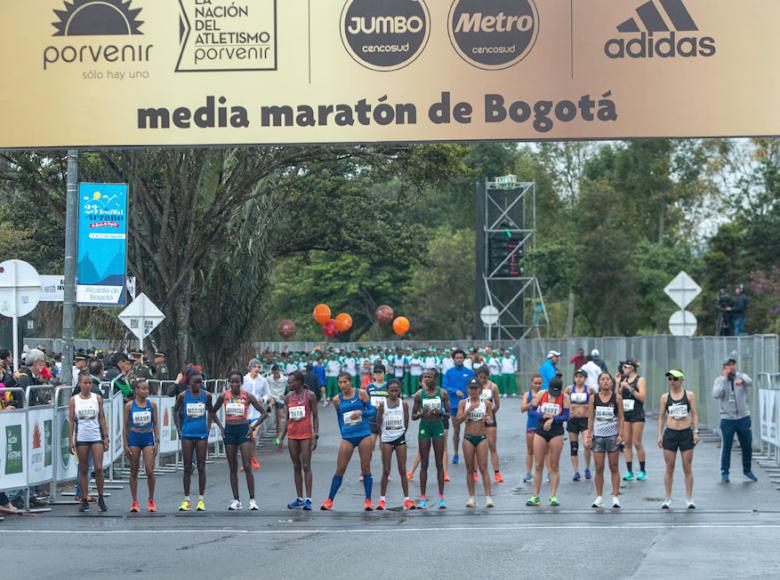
point(604, 444)
point(675, 439)
point(140, 440)
point(236, 434)
point(577, 424)
point(432, 430)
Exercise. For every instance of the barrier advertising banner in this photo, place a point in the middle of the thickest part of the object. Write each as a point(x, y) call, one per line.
point(67, 464)
point(40, 444)
point(169, 440)
point(13, 456)
point(102, 244)
point(769, 416)
point(111, 73)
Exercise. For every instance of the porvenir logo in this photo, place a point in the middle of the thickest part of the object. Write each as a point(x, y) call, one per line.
point(493, 34)
point(96, 18)
point(385, 35)
point(667, 32)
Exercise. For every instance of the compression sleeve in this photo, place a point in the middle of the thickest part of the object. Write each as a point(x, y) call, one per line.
point(562, 418)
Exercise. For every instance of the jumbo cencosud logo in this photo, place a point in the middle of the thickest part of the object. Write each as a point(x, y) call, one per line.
point(660, 29)
point(385, 35)
point(493, 34)
point(82, 28)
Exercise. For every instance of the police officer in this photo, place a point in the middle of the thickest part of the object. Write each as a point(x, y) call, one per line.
point(140, 369)
point(161, 372)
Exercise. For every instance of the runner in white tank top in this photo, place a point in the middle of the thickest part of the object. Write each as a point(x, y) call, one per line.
point(393, 420)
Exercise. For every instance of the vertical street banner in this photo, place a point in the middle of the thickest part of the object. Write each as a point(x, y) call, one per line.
point(102, 244)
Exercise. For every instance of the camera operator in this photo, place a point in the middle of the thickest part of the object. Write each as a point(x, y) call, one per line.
point(731, 389)
point(738, 310)
point(723, 306)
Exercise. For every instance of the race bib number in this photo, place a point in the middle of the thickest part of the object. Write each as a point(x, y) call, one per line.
point(87, 414)
point(550, 409)
point(142, 418)
point(376, 401)
point(579, 398)
point(394, 423)
point(299, 413)
point(234, 409)
point(628, 405)
point(431, 404)
point(477, 416)
point(351, 418)
point(196, 409)
point(605, 413)
point(678, 411)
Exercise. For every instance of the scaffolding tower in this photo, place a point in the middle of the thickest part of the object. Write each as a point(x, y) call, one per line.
point(506, 233)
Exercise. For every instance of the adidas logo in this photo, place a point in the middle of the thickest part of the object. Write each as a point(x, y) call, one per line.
point(668, 32)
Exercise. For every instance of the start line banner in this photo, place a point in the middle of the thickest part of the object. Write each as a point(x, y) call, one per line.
point(115, 73)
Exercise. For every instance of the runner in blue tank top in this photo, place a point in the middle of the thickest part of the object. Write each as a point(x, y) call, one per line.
point(533, 421)
point(141, 434)
point(353, 411)
point(194, 435)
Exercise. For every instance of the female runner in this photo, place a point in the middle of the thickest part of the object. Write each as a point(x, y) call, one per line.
point(353, 410)
point(532, 422)
point(579, 395)
point(141, 438)
point(490, 393)
point(633, 389)
point(88, 435)
point(392, 417)
point(476, 414)
point(431, 408)
point(302, 431)
point(192, 418)
point(237, 433)
point(605, 424)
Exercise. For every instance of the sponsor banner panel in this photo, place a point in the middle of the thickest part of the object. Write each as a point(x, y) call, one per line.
point(112, 73)
point(13, 457)
point(40, 444)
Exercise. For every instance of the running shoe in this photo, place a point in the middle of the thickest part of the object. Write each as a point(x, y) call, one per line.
point(255, 464)
point(253, 505)
point(533, 501)
point(498, 477)
point(295, 505)
point(667, 505)
point(690, 505)
point(235, 505)
point(446, 476)
point(185, 506)
point(576, 477)
point(489, 502)
point(587, 474)
point(201, 506)
point(367, 506)
point(598, 502)
point(422, 504)
point(409, 505)
point(471, 503)
point(528, 478)
point(102, 505)
point(327, 505)
point(628, 476)
point(750, 475)
point(476, 477)
point(84, 507)
point(307, 505)
point(410, 475)
point(380, 505)
point(616, 503)
point(724, 477)
point(455, 459)
point(553, 501)
point(151, 507)
point(642, 476)
point(442, 504)
point(135, 508)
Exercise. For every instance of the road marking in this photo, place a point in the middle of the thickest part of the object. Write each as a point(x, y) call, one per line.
point(399, 530)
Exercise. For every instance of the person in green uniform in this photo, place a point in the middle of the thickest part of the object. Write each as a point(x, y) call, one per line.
point(431, 408)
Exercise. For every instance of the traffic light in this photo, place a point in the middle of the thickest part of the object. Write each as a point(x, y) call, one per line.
point(505, 259)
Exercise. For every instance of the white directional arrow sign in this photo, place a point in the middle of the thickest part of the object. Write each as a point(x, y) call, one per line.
point(20, 292)
point(141, 317)
point(682, 290)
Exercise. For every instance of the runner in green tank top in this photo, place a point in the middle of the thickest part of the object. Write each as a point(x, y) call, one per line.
point(431, 407)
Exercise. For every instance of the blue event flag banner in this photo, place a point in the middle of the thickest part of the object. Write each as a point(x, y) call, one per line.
point(102, 253)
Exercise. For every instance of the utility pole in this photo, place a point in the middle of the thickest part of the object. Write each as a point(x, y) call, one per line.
point(71, 234)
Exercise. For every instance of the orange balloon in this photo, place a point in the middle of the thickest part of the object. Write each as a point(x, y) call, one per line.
point(343, 322)
point(322, 313)
point(401, 325)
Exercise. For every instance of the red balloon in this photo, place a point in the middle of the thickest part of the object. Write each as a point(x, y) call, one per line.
point(330, 328)
point(321, 313)
point(401, 325)
point(287, 329)
point(343, 322)
point(384, 314)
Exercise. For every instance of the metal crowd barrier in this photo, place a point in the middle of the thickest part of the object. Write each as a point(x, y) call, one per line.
point(768, 395)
